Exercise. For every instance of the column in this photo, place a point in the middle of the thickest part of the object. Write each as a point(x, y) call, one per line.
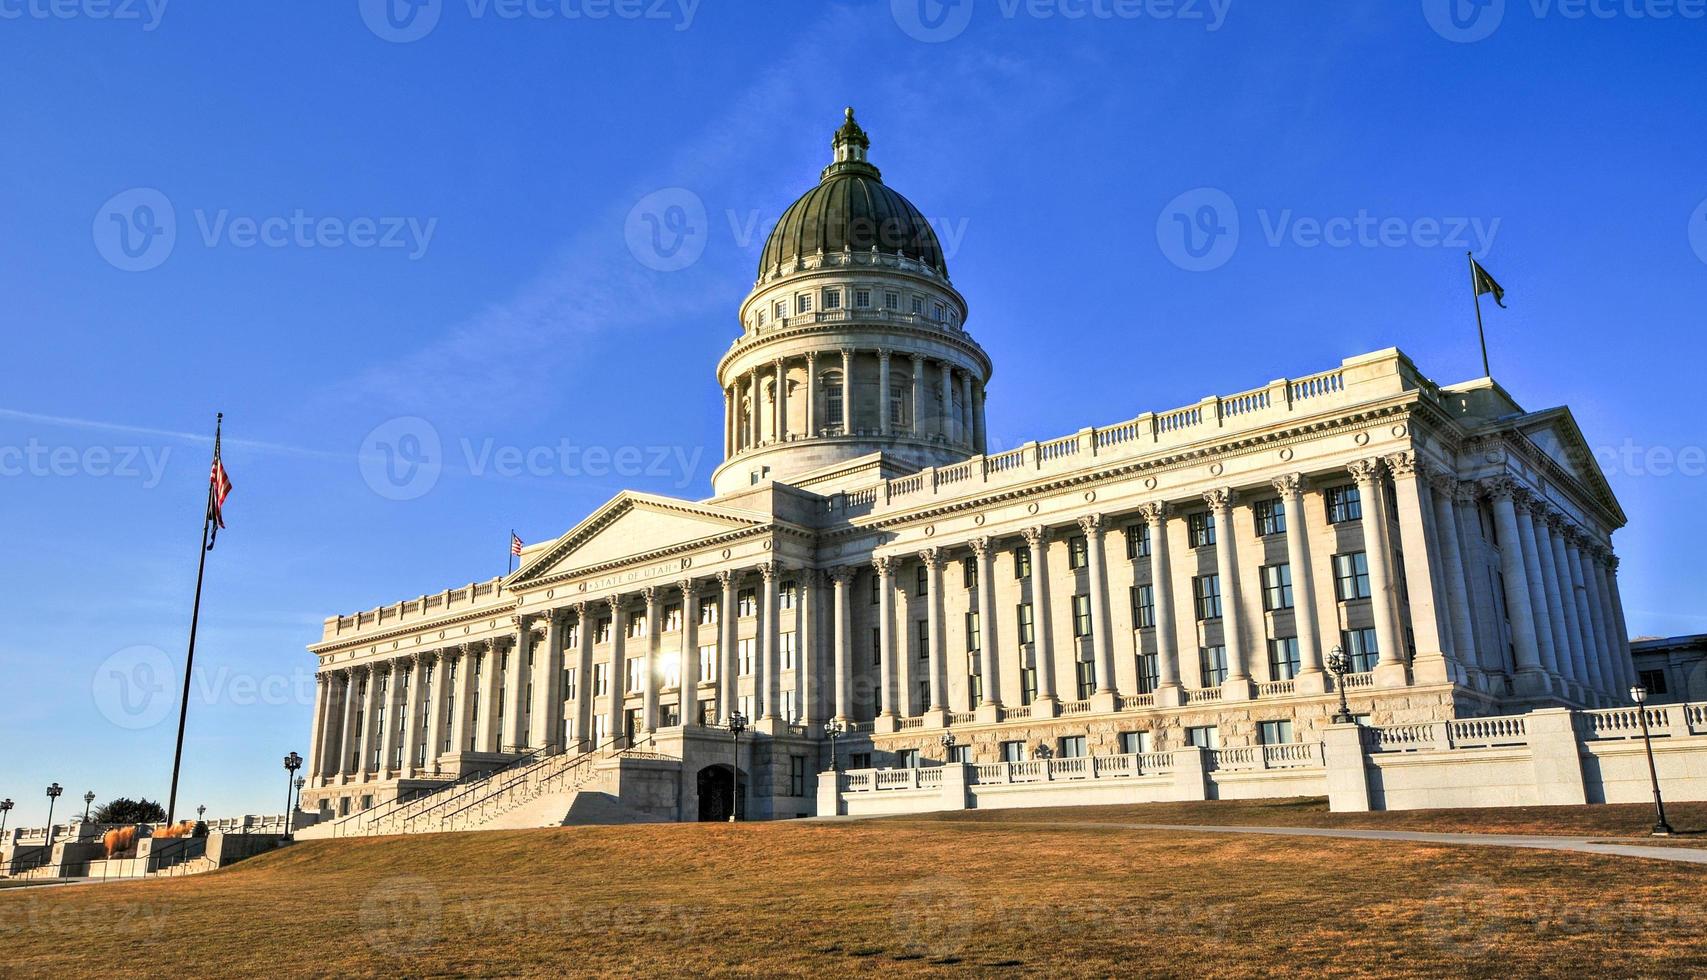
point(317, 735)
point(1521, 502)
point(349, 748)
point(767, 687)
point(883, 391)
point(806, 630)
point(980, 441)
point(885, 642)
point(436, 693)
point(1622, 665)
point(932, 560)
point(370, 716)
point(781, 400)
point(545, 727)
point(842, 626)
point(1311, 679)
point(728, 676)
point(1435, 655)
point(1452, 571)
point(1048, 704)
point(1554, 533)
point(394, 704)
point(964, 419)
point(948, 428)
point(583, 678)
point(514, 736)
point(649, 661)
point(1102, 645)
point(1390, 664)
point(1571, 573)
point(1588, 609)
point(687, 697)
point(411, 715)
point(847, 391)
point(1238, 684)
point(812, 425)
point(460, 711)
point(618, 672)
point(755, 417)
point(1531, 676)
point(1169, 692)
point(918, 395)
point(989, 648)
point(1552, 597)
point(729, 402)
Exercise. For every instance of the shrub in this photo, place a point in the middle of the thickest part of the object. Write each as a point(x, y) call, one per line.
point(124, 810)
point(119, 840)
point(183, 828)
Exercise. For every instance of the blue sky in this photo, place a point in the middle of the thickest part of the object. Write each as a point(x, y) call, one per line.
point(446, 222)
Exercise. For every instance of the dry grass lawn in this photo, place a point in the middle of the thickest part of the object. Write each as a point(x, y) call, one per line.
point(917, 897)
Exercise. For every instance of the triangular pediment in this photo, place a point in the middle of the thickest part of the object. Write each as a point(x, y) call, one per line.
point(1555, 434)
point(631, 526)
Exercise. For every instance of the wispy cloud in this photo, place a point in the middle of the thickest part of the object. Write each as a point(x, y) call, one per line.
point(165, 435)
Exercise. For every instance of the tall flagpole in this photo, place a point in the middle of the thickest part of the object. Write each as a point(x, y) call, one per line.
point(195, 617)
point(1476, 295)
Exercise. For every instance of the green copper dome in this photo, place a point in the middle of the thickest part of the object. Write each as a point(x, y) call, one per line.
point(851, 208)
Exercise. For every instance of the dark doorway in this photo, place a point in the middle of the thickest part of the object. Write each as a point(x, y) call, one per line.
point(714, 794)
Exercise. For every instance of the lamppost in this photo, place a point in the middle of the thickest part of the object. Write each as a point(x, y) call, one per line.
point(292, 763)
point(88, 800)
point(5, 811)
point(948, 743)
point(1340, 665)
point(1639, 694)
point(833, 730)
point(737, 725)
point(301, 781)
point(52, 796)
point(201, 812)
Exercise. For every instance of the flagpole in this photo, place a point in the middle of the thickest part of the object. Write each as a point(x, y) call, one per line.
point(1476, 296)
point(195, 618)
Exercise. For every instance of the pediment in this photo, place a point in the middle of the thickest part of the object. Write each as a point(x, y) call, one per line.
point(632, 525)
point(1554, 433)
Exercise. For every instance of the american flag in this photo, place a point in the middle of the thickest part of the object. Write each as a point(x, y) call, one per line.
point(221, 489)
point(515, 545)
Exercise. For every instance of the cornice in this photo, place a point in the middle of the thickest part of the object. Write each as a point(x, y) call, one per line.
point(506, 611)
point(959, 339)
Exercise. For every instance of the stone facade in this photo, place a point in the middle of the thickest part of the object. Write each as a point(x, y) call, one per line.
point(866, 566)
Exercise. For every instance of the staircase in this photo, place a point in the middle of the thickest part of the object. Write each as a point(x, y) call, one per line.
point(392, 817)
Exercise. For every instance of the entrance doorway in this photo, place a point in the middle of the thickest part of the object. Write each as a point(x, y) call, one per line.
point(714, 796)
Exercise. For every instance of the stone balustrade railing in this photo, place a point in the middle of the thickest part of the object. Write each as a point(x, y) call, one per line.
point(1664, 721)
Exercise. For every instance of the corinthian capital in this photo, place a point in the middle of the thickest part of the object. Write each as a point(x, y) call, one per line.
point(1036, 537)
point(882, 564)
point(980, 545)
point(1218, 499)
point(932, 557)
point(1289, 486)
point(1405, 463)
point(1364, 470)
point(1154, 512)
point(1091, 525)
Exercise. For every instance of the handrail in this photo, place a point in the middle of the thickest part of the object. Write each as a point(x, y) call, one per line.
point(474, 784)
point(520, 777)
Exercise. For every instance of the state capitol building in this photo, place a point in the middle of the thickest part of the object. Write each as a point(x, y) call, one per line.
point(872, 597)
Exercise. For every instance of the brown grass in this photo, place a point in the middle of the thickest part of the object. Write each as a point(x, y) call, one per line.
point(914, 897)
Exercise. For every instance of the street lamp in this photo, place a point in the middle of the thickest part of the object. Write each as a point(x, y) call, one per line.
point(834, 729)
point(948, 743)
point(292, 763)
point(5, 811)
point(88, 800)
point(737, 725)
point(1340, 665)
point(301, 781)
point(52, 796)
point(1639, 694)
point(200, 812)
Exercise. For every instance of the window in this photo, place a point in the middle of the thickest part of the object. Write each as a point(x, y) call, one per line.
point(907, 758)
point(636, 625)
point(744, 656)
point(960, 754)
point(922, 637)
point(1212, 662)
point(747, 603)
point(941, 312)
point(1086, 675)
point(859, 760)
point(1351, 576)
point(862, 299)
point(1137, 541)
point(974, 683)
point(1071, 747)
point(922, 581)
point(1276, 587)
point(1203, 736)
point(1653, 680)
point(876, 646)
point(973, 639)
point(708, 612)
point(1081, 616)
point(891, 301)
point(918, 306)
point(832, 299)
point(1283, 658)
point(1274, 732)
point(1344, 504)
point(969, 573)
point(669, 715)
point(1149, 673)
point(1360, 645)
point(571, 638)
point(1206, 596)
point(785, 596)
point(876, 588)
point(803, 303)
point(744, 705)
point(569, 688)
point(833, 398)
point(924, 692)
point(1022, 562)
point(790, 711)
point(1078, 552)
point(761, 317)
point(787, 641)
point(636, 674)
point(1200, 529)
point(601, 631)
point(781, 309)
point(672, 618)
point(708, 662)
point(1270, 517)
point(601, 680)
point(1135, 743)
point(1027, 685)
point(1026, 634)
point(1013, 751)
point(1143, 607)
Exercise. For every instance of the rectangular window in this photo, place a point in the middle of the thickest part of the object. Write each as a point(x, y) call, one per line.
point(876, 646)
point(673, 618)
point(1200, 529)
point(918, 306)
point(790, 711)
point(636, 674)
point(744, 705)
point(941, 312)
point(1071, 747)
point(907, 758)
point(1270, 517)
point(708, 611)
point(1143, 607)
point(1206, 596)
point(832, 299)
point(862, 299)
point(1081, 616)
point(974, 683)
point(1276, 587)
point(785, 595)
point(1026, 634)
point(1212, 664)
point(922, 638)
point(1137, 541)
point(876, 588)
point(1086, 676)
point(744, 655)
point(1135, 743)
point(1283, 658)
point(1274, 732)
point(891, 301)
point(1343, 503)
point(601, 632)
point(781, 309)
point(708, 662)
point(636, 625)
point(1027, 685)
point(1203, 736)
point(1361, 647)
point(672, 664)
point(1013, 751)
point(803, 303)
point(969, 573)
point(569, 688)
point(796, 775)
point(787, 642)
point(972, 633)
point(1351, 576)
point(747, 603)
point(601, 680)
point(1149, 673)
point(859, 760)
point(761, 317)
point(1022, 563)
point(921, 581)
point(1078, 552)
point(1653, 680)
point(960, 755)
